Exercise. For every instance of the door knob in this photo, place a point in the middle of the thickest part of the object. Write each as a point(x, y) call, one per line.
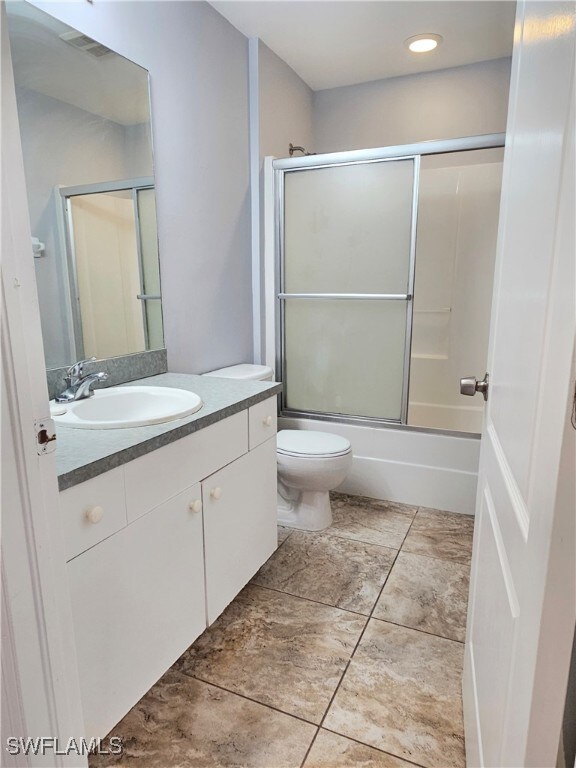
point(470, 385)
point(216, 493)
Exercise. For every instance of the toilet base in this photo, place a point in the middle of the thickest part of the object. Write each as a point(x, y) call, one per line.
point(308, 511)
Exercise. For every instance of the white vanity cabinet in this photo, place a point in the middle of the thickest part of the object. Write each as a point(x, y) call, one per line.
point(175, 536)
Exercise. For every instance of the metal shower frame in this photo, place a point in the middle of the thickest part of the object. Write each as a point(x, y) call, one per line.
point(65, 193)
point(411, 152)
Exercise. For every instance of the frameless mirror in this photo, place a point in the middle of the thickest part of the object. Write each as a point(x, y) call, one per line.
point(84, 114)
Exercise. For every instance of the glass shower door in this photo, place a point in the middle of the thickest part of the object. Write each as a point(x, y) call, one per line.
point(347, 247)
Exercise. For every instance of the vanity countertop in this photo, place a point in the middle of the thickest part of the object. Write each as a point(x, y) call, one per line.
point(85, 453)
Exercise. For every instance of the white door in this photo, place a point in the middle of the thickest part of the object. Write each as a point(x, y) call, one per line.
point(156, 596)
point(40, 691)
point(522, 601)
point(239, 524)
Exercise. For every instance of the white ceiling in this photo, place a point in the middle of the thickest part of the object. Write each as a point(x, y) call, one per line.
point(111, 86)
point(337, 42)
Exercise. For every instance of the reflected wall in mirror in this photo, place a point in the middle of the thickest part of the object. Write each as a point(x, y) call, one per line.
point(84, 115)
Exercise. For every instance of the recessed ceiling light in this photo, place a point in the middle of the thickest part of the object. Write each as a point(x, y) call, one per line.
point(423, 43)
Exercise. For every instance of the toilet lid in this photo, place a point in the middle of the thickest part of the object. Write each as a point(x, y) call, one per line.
point(296, 442)
point(244, 371)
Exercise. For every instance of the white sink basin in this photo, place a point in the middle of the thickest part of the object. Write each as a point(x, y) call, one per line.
point(119, 407)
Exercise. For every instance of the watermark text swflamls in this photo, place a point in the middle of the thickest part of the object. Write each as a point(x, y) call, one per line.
point(44, 745)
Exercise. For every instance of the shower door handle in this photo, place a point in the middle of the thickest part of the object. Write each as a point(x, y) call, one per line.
point(470, 385)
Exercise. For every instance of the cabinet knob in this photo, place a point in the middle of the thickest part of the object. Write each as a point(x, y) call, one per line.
point(94, 514)
point(267, 421)
point(215, 493)
point(196, 505)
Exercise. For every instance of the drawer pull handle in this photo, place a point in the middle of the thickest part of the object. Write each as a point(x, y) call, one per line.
point(196, 505)
point(216, 493)
point(94, 514)
point(267, 421)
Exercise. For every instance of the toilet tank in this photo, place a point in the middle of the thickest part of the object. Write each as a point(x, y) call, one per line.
point(247, 371)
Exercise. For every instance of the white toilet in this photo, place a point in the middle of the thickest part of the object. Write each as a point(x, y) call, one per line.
point(246, 371)
point(310, 464)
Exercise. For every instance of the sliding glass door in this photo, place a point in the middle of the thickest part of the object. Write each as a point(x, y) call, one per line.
point(347, 241)
point(113, 267)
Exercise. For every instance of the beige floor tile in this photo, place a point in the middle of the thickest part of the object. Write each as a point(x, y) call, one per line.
point(341, 572)
point(401, 694)
point(283, 533)
point(184, 723)
point(375, 522)
point(332, 751)
point(428, 594)
point(446, 535)
point(277, 649)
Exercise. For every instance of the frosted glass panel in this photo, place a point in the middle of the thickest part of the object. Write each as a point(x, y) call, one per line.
point(458, 211)
point(345, 356)
point(347, 228)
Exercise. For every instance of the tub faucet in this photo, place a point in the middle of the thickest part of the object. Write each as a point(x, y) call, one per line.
point(78, 386)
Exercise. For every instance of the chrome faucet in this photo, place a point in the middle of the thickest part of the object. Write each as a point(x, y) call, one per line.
point(78, 386)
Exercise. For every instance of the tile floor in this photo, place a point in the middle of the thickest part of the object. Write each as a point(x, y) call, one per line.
point(344, 650)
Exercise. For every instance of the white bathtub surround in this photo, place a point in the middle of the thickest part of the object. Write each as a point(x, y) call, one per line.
point(408, 466)
point(457, 226)
point(460, 418)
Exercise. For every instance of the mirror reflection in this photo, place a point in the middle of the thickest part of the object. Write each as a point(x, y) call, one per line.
point(84, 115)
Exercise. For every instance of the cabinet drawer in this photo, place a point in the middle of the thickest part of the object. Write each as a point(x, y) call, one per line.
point(92, 511)
point(138, 602)
point(161, 474)
point(262, 422)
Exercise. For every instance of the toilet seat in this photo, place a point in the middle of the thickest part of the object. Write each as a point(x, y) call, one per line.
point(314, 445)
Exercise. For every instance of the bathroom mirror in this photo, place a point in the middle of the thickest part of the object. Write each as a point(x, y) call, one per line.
point(84, 114)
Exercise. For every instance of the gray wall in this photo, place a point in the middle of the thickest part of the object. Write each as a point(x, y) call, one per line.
point(285, 116)
point(198, 65)
point(286, 105)
point(137, 145)
point(449, 103)
point(53, 155)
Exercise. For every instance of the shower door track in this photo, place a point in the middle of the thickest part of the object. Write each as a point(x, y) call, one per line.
point(355, 157)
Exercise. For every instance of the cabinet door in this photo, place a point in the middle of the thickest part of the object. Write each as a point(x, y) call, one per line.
point(138, 603)
point(239, 524)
